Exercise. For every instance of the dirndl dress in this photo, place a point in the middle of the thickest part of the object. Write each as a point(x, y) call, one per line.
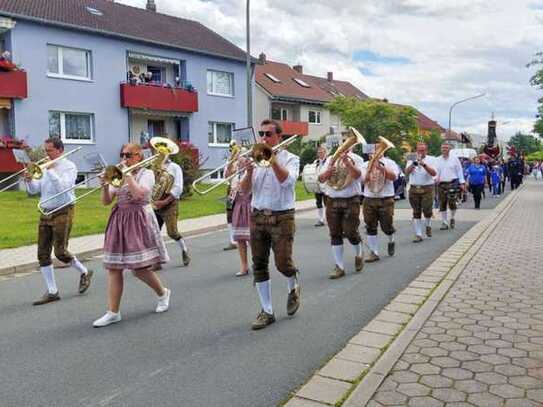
point(241, 217)
point(132, 239)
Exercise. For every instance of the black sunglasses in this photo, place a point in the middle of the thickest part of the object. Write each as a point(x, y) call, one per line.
point(126, 155)
point(265, 133)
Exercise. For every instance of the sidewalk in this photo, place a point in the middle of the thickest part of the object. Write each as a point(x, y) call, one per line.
point(468, 331)
point(22, 259)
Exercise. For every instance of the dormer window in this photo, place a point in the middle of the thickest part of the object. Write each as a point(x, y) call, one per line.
point(301, 83)
point(272, 78)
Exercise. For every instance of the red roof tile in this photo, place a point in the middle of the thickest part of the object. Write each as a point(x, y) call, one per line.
point(124, 21)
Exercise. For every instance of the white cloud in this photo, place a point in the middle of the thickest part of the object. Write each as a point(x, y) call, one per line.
point(455, 49)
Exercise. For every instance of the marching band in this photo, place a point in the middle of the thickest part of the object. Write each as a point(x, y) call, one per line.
point(262, 183)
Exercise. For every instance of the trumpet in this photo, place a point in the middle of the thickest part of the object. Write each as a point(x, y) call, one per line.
point(36, 169)
point(259, 153)
point(115, 175)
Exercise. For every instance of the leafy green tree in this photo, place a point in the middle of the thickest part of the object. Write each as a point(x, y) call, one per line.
point(434, 141)
point(525, 142)
point(374, 118)
point(537, 81)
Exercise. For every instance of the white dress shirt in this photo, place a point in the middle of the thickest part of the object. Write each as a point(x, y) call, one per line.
point(56, 179)
point(419, 176)
point(175, 170)
point(388, 189)
point(449, 169)
point(268, 192)
point(354, 189)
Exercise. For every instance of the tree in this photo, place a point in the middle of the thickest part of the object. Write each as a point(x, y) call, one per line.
point(374, 118)
point(537, 81)
point(434, 141)
point(525, 142)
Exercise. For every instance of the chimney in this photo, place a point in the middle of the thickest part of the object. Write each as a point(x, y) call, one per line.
point(151, 6)
point(262, 59)
point(330, 76)
point(298, 68)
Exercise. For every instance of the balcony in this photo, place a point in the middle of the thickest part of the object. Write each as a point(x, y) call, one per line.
point(290, 128)
point(13, 84)
point(158, 97)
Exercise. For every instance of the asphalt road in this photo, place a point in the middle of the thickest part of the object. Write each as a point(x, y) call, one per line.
point(201, 352)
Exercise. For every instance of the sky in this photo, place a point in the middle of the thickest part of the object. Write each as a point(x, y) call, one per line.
point(425, 53)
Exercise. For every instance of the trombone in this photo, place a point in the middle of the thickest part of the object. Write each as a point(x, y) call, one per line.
point(260, 154)
point(114, 175)
point(36, 169)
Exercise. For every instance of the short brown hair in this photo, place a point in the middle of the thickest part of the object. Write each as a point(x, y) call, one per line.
point(56, 142)
point(278, 128)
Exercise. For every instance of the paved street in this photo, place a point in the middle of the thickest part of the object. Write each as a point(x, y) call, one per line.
point(200, 353)
point(483, 345)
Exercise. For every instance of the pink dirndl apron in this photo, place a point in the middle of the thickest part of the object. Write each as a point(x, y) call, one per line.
point(132, 239)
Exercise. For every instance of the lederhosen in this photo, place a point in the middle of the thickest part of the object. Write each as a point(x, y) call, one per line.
point(54, 233)
point(448, 194)
point(421, 199)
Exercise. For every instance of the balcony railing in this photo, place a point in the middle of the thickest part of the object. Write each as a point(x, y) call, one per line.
point(290, 128)
point(159, 97)
point(13, 84)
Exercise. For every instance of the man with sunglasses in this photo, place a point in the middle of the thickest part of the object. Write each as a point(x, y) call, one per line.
point(54, 230)
point(272, 222)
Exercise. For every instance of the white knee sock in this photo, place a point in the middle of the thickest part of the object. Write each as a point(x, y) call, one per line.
point(391, 238)
point(264, 293)
point(453, 212)
point(231, 234)
point(337, 251)
point(417, 227)
point(358, 249)
point(48, 274)
point(373, 244)
point(320, 211)
point(428, 222)
point(292, 283)
point(444, 216)
point(80, 267)
point(182, 245)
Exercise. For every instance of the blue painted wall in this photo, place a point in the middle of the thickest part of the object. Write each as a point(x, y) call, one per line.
point(28, 43)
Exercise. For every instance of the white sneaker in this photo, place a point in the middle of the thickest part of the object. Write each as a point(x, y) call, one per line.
point(164, 302)
point(108, 319)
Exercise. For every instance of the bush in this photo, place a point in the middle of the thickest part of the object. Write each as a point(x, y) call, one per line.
point(188, 159)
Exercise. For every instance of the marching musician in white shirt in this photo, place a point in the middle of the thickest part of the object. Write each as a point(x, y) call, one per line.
point(421, 172)
point(450, 179)
point(272, 222)
point(342, 198)
point(54, 230)
point(319, 196)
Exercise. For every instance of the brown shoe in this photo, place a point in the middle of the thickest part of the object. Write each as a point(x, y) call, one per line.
point(336, 273)
point(293, 301)
point(186, 258)
point(429, 231)
point(373, 258)
point(47, 298)
point(391, 248)
point(263, 319)
point(231, 246)
point(358, 263)
point(85, 281)
point(417, 239)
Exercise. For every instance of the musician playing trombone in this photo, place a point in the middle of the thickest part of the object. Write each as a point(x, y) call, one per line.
point(272, 221)
point(54, 230)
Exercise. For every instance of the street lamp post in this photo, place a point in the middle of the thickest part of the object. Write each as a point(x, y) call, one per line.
point(457, 103)
point(249, 75)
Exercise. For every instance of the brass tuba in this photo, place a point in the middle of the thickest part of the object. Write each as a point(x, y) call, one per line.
point(375, 178)
point(163, 179)
point(341, 179)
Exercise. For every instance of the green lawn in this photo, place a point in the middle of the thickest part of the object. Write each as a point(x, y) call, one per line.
point(20, 215)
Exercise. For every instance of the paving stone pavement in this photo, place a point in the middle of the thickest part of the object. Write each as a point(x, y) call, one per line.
point(483, 344)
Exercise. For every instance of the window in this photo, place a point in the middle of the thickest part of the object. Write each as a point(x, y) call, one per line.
point(301, 83)
point(74, 128)
point(314, 117)
point(220, 133)
point(279, 113)
point(155, 128)
point(284, 114)
point(273, 78)
point(220, 83)
point(157, 73)
point(72, 63)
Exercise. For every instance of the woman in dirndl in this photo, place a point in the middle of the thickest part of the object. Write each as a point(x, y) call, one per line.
point(132, 238)
point(241, 213)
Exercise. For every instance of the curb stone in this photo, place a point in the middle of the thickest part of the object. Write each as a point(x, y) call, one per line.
point(393, 329)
